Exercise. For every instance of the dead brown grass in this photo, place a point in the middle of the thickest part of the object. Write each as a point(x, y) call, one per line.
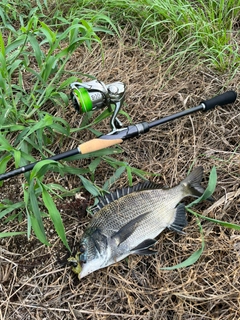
point(35, 285)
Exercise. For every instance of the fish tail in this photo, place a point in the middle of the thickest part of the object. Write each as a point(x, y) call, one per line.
point(192, 183)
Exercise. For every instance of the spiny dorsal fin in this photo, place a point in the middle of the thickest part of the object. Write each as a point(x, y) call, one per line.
point(119, 193)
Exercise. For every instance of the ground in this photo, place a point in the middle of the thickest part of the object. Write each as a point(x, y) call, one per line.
point(35, 283)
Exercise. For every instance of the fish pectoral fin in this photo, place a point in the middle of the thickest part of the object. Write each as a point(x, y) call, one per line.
point(180, 220)
point(127, 230)
point(144, 248)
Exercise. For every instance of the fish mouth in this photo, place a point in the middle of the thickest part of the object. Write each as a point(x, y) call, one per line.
point(75, 264)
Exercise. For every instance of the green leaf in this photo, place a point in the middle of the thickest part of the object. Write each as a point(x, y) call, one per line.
point(36, 49)
point(66, 83)
point(17, 157)
point(36, 216)
point(89, 186)
point(220, 222)
point(129, 175)
point(50, 35)
point(94, 163)
point(37, 228)
point(14, 66)
point(42, 167)
point(55, 216)
point(4, 144)
point(3, 165)
point(10, 234)
point(114, 177)
point(7, 208)
point(193, 258)
point(209, 190)
point(2, 46)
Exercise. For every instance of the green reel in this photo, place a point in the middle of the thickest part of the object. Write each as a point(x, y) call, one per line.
point(93, 95)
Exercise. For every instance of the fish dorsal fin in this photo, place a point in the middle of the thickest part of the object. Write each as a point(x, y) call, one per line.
point(119, 193)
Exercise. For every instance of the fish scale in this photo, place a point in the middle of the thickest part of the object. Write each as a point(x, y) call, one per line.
point(128, 220)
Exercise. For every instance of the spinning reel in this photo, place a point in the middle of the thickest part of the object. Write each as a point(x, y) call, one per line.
point(94, 95)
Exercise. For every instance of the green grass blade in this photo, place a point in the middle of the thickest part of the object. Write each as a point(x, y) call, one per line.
point(114, 177)
point(220, 222)
point(55, 216)
point(36, 216)
point(194, 257)
point(89, 186)
point(7, 208)
point(209, 190)
point(42, 167)
point(11, 234)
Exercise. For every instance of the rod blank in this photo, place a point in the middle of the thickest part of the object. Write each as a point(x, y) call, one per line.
point(119, 136)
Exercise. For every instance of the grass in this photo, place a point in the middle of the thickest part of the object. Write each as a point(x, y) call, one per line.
point(172, 55)
point(204, 30)
point(38, 47)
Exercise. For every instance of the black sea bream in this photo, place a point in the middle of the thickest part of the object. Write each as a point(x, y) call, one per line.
point(128, 220)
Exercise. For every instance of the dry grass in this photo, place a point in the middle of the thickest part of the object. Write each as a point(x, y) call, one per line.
point(35, 285)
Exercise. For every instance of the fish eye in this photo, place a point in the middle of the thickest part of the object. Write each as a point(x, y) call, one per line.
point(82, 248)
point(83, 257)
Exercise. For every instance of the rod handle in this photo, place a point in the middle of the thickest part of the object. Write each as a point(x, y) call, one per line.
point(221, 100)
point(98, 144)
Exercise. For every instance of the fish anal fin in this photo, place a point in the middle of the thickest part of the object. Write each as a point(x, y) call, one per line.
point(127, 230)
point(180, 219)
point(144, 248)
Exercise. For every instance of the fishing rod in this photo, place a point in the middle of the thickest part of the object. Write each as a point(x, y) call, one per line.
point(94, 95)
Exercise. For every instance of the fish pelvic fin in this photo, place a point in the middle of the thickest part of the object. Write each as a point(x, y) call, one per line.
point(192, 183)
point(145, 247)
point(180, 219)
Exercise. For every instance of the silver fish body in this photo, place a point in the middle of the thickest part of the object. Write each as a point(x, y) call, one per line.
point(128, 220)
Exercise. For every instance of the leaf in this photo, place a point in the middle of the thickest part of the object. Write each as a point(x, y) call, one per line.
point(209, 190)
point(89, 186)
point(36, 49)
point(220, 222)
point(42, 167)
point(3, 165)
point(4, 144)
point(10, 234)
point(14, 66)
point(66, 83)
point(49, 34)
point(114, 177)
point(2, 46)
point(193, 258)
point(17, 157)
point(129, 175)
point(5, 209)
point(94, 163)
point(55, 216)
point(45, 122)
point(36, 216)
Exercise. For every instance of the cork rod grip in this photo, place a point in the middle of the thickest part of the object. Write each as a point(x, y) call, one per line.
point(97, 144)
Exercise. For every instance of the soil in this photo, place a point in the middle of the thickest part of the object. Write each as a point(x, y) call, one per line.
point(36, 282)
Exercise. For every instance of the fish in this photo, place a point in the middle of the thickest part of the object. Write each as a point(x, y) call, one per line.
point(128, 220)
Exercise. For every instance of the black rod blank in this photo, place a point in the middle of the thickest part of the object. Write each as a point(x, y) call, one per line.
point(133, 130)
